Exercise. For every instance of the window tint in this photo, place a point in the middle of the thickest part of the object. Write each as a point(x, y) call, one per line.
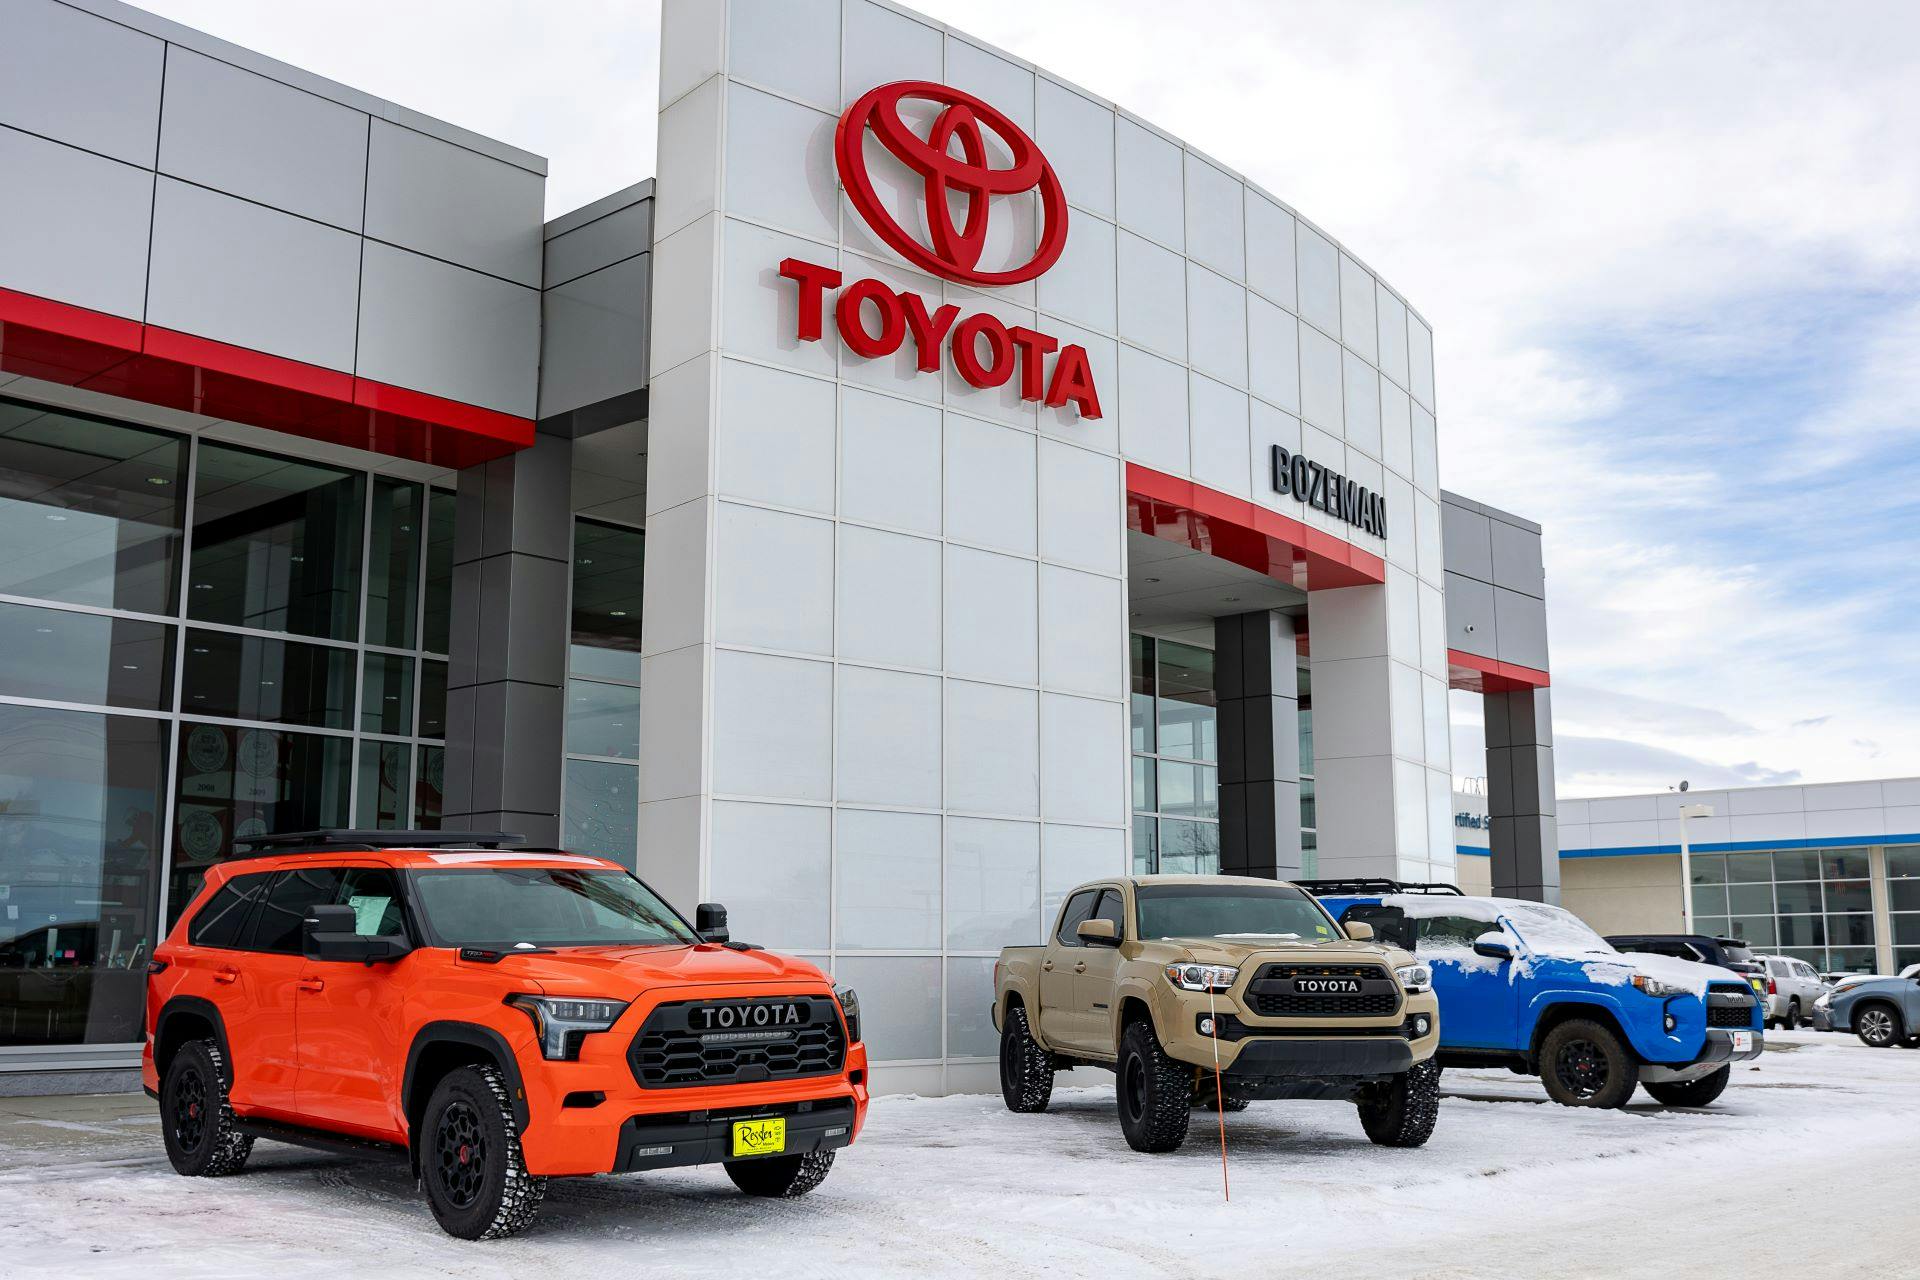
point(221, 920)
point(504, 907)
point(1079, 907)
point(374, 895)
point(1112, 909)
point(1451, 931)
point(276, 927)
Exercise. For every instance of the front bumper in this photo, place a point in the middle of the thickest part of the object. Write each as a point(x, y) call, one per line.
point(1715, 1053)
point(706, 1137)
point(1822, 1018)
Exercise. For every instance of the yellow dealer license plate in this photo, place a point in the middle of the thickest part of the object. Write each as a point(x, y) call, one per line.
point(759, 1137)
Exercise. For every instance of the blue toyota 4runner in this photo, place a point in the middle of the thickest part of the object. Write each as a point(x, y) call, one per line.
point(1530, 987)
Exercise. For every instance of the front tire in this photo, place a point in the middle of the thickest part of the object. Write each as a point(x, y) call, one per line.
point(781, 1177)
point(1026, 1070)
point(1402, 1114)
point(1583, 1064)
point(1690, 1093)
point(1877, 1025)
point(470, 1158)
point(196, 1120)
point(1154, 1092)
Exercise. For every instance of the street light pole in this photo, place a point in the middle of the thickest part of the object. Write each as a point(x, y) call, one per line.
point(1686, 863)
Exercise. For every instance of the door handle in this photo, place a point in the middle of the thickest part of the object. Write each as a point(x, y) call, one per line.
point(1080, 967)
point(226, 975)
point(312, 984)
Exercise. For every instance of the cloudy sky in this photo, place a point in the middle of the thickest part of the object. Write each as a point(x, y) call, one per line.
point(1670, 254)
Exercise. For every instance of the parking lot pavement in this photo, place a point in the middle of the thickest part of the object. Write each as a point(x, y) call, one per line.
point(1509, 1186)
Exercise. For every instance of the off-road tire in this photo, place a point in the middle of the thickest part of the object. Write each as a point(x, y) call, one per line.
point(1583, 1064)
point(470, 1159)
point(196, 1121)
point(781, 1177)
point(1153, 1092)
point(1402, 1114)
point(1689, 1093)
point(1878, 1025)
point(1026, 1070)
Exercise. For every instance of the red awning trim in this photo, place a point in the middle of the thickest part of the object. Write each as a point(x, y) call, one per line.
point(1489, 675)
point(70, 345)
point(1245, 533)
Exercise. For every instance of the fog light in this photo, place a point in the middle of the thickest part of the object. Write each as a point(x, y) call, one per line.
point(1420, 1025)
point(1206, 1025)
point(1671, 1022)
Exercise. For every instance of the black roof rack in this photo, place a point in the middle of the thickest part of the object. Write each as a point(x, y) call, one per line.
point(367, 841)
point(1376, 884)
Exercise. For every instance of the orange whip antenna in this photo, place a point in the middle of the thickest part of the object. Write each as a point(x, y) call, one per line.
point(1219, 1098)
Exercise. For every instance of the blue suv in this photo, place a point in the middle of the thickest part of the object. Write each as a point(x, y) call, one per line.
point(1529, 986)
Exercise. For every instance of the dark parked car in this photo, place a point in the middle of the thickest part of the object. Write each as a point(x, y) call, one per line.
point(1728, 953)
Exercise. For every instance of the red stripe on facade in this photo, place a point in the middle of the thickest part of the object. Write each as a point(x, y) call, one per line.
point(1490, 675)
point(1245, 533)
point(59, 342)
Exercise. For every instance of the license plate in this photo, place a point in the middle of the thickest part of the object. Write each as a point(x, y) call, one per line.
point(759, 1137)
point(1742, 1043)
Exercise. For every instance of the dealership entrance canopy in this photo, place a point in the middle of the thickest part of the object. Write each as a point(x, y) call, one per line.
point(935, 487)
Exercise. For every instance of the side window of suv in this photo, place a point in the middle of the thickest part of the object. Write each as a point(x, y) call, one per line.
point(1450, 931)
point(276, 926)
point(1079, 907)
point(221, 921)
point(374, 895)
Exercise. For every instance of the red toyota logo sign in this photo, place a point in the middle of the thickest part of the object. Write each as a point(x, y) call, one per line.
point(953, 251)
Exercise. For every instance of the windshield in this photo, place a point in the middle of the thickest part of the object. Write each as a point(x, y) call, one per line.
point(505, 907)
point(1736, 955)
point(1555, 931)
point(1231, 911)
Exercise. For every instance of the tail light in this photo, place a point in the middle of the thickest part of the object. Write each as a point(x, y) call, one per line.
point(1771, 989)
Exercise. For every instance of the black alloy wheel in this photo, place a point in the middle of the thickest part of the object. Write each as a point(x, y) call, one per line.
point(187, 1107)
point(1580, 1067)
point(460, 1154)
point(1584, 1064)
point(202, 1136)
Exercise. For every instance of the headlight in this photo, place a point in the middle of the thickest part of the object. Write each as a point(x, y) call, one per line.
point(1201, 977)
point(1657, 989)
point(850, 1010)
point(562, 1024)
point(1824, 1002)
point(1414, 977)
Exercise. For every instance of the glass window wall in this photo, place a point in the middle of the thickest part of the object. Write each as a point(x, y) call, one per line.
point(1903, 900)
point(601, 810)
point(1176, 744)
point(198, 643)
point(1812, 904)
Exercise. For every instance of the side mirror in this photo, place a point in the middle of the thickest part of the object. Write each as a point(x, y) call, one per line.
point(1493, 945)
point(329, 933)
point(710, 922)
point(1098, 933)
point(1359, 930)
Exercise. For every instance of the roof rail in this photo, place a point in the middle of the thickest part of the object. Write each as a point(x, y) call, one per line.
point(365, 841)
point(1376, 884)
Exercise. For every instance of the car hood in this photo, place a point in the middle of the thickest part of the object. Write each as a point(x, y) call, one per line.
point(1238, 951)
point(1619, 969)
point(624, 972)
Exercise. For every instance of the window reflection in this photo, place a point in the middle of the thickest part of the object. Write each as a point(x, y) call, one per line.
point(81, 798)
point(429, 776)
point(254, 678)
point(382, 802)
point(602, 810)
point(393, 563)
point(386, 694)
point(85, 657)
point(437, 606)
point(91, 512)
point(1188, 719)
point(608, 571)
point(276, 543)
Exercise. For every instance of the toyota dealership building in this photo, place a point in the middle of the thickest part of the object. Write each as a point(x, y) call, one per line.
point(933, 487)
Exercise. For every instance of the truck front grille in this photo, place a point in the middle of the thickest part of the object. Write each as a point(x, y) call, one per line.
point(1730, 1007)
point(1276, 992)
point(681, 1045)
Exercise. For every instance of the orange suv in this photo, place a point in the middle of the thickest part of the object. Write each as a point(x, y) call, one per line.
point(496, 1015)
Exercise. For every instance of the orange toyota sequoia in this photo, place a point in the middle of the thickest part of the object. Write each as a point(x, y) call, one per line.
point(498, 1016)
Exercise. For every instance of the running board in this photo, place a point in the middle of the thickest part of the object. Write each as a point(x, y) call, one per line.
point(319, 1139)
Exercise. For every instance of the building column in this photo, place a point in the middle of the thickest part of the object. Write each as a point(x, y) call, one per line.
point(1523, 834)
point(1882, 899)
point(1257, 686)
point(507, 672)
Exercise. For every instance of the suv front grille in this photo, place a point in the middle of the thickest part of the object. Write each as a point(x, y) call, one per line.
point(702, 1042)
point(1275, 992)
point(1730, 1007)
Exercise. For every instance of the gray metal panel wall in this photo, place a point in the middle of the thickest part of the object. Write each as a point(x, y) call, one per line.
point(454, 204)
point(596, 311)
point(441, 328)
point(73, 225)
point(80, 79)
point(1496, 583)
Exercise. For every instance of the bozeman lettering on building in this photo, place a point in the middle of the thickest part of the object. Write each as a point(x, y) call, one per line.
point(1337, 495)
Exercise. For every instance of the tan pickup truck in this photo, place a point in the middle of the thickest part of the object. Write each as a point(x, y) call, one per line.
point(1161, 978)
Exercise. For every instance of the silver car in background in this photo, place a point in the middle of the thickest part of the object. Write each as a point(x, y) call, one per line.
point(1835, 1010)
point(1792, 987)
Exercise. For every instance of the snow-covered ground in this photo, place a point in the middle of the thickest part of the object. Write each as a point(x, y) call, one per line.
point(1807, 1166)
